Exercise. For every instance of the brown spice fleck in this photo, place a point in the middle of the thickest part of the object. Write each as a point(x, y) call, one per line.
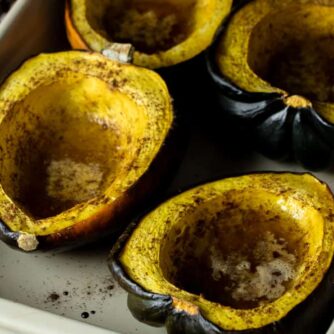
point(53, 297)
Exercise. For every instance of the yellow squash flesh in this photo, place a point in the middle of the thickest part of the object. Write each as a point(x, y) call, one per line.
point(214, 245)
point(282, 46)
point(163, 32)
point(77, 131)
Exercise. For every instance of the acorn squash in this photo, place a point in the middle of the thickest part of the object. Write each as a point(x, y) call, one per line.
point(83, 143)
point(163, 32)
point(272, 64)
point(238, 254)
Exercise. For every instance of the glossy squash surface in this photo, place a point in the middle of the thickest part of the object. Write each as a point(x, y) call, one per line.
point(234, 255)
point(272, 64)
point(163, 32)
point(77, 133)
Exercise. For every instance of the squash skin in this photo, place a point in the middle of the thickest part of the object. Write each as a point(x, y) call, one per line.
point(7, 236)
point(277, 129)
point(155, 309)
point(115, 216)
point(314, 315)
point(72, 34)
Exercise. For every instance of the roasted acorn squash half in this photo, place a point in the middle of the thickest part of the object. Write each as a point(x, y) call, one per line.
point(83, 142)
point(273, 66)
point(238, 254)
point(163, 32)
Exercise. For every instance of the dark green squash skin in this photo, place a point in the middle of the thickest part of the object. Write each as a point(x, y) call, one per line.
point(276, 130)
point(155, 309)
point(313, 316)
point(7, 236)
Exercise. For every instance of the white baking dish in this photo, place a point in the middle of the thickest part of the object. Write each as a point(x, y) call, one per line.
point(30, 27)
point(60, 287)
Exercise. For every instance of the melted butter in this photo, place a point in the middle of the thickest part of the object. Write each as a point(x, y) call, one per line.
point(261, 274)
